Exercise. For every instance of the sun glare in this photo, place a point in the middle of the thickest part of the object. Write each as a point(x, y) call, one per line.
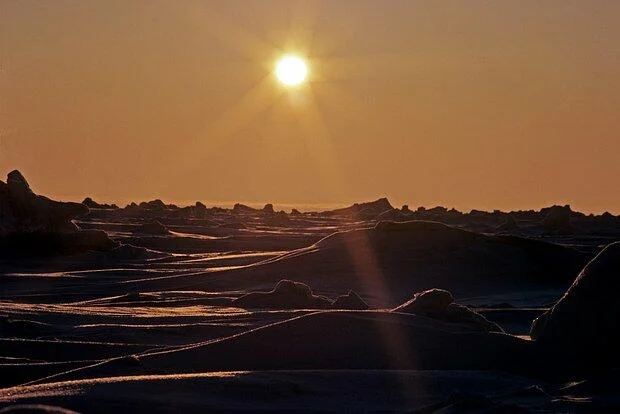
point(291, 70)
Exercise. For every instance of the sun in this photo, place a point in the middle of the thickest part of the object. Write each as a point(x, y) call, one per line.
point(291, 70)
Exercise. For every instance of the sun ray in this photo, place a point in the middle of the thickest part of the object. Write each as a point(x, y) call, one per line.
point(255, 101)
point(319, 142)
point(238, 37)
point(342, 67)
point(365, 261)
point(302, 25)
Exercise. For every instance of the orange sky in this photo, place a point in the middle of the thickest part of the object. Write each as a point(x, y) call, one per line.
point(467, 104)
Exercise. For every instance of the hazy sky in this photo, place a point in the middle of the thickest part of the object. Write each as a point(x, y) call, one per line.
point(467, 104)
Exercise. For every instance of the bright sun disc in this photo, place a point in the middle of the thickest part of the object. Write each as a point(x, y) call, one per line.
point(291, 70)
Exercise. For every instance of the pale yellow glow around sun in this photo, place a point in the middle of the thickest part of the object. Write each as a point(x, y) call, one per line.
point(291, 70)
